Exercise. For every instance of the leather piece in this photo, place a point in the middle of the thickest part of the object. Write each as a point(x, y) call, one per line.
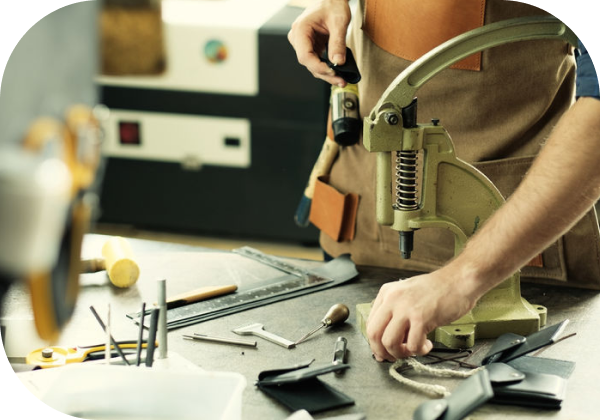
point(298, 388)
point(299, 375)
point(537, 261)
point(534, 341)
point(396, 26)
point(347, 71)
point(532, 364)
point(313, 396)
point(536, 390)
point(332, 212)
point(280, 371)
point(431, 410)
point(503, 343)
point(470, 394)
point(503, 374)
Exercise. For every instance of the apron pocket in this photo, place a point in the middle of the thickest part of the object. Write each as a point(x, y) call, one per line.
point(332, 212)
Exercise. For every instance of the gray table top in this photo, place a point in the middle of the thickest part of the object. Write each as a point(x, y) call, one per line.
point(375, 392)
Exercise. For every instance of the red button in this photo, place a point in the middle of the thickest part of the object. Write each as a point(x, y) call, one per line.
point(129, 133)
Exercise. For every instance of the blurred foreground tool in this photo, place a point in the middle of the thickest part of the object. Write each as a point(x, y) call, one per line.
point(337, 314)
point(131, 38)
point(73, 145)
point(118, 261)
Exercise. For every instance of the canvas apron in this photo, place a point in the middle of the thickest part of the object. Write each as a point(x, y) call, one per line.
point(498, 106)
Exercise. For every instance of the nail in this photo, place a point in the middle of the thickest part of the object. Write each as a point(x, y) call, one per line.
point(337, 59)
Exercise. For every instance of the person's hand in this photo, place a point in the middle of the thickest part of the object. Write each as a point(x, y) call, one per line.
point(405, 311)
point(324, 23)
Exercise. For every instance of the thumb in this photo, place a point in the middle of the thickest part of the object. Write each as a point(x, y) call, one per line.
point(337, 46)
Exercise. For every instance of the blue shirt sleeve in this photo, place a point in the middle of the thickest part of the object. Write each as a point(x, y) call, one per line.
point(587, 80)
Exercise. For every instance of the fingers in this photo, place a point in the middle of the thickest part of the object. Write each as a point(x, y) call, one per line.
point(417, 342)
point(308, 57)
point(324, 24)
point(377, 324)
point(385, 332)
point(394, 333)
point(397, 340)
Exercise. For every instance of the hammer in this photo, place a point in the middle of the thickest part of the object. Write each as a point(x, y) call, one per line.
point(118, 261)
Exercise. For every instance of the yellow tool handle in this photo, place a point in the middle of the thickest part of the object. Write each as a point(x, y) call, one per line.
point(199, 294)
point(121, 267)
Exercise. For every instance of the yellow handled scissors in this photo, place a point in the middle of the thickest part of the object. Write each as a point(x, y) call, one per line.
point(55, 356)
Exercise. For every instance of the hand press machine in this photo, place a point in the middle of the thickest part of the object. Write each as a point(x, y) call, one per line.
point(435, 189)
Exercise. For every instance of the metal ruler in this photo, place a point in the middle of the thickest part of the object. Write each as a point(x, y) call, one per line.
point(297, 282)
point(272, 261)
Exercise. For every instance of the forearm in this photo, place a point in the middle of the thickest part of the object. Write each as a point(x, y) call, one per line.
point(561, 186)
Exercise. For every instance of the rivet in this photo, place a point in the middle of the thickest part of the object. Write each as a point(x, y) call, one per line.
point(391, 118)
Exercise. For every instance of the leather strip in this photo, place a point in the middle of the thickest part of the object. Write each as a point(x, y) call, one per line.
point(470, 394)
point(537, 261)
point(408, 29)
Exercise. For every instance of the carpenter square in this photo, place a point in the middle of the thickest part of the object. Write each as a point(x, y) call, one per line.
point(299, 281)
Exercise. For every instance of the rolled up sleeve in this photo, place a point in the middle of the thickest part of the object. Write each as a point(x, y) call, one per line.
point(587, 80)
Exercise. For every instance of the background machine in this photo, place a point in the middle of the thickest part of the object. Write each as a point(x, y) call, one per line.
point(223, 140)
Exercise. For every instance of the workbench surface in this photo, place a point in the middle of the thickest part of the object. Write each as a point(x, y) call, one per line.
point(375, 392)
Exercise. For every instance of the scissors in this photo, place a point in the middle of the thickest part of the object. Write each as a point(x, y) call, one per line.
point(55, 356)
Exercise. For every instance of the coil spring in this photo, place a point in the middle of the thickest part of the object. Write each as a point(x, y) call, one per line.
point(406, 181)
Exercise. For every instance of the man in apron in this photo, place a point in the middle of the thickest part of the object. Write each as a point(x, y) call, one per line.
point(512, 113)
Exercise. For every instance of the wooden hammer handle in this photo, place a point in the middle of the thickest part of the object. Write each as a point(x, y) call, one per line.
point(92, 266)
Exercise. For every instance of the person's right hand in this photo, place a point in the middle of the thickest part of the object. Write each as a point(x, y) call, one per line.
point(324, 23)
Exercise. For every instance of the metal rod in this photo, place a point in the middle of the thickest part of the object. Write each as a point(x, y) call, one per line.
point(162, 319)
point(140, 336)
point(223, 340)
point(107, 350)
point(152, 337)
point(323, 325)
point(112, 340)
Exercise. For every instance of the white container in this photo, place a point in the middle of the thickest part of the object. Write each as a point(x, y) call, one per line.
point(129, 393)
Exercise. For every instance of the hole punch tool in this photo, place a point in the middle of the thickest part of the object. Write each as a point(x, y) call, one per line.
point(436, 189)
point(337, 314)
point(340, 351)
